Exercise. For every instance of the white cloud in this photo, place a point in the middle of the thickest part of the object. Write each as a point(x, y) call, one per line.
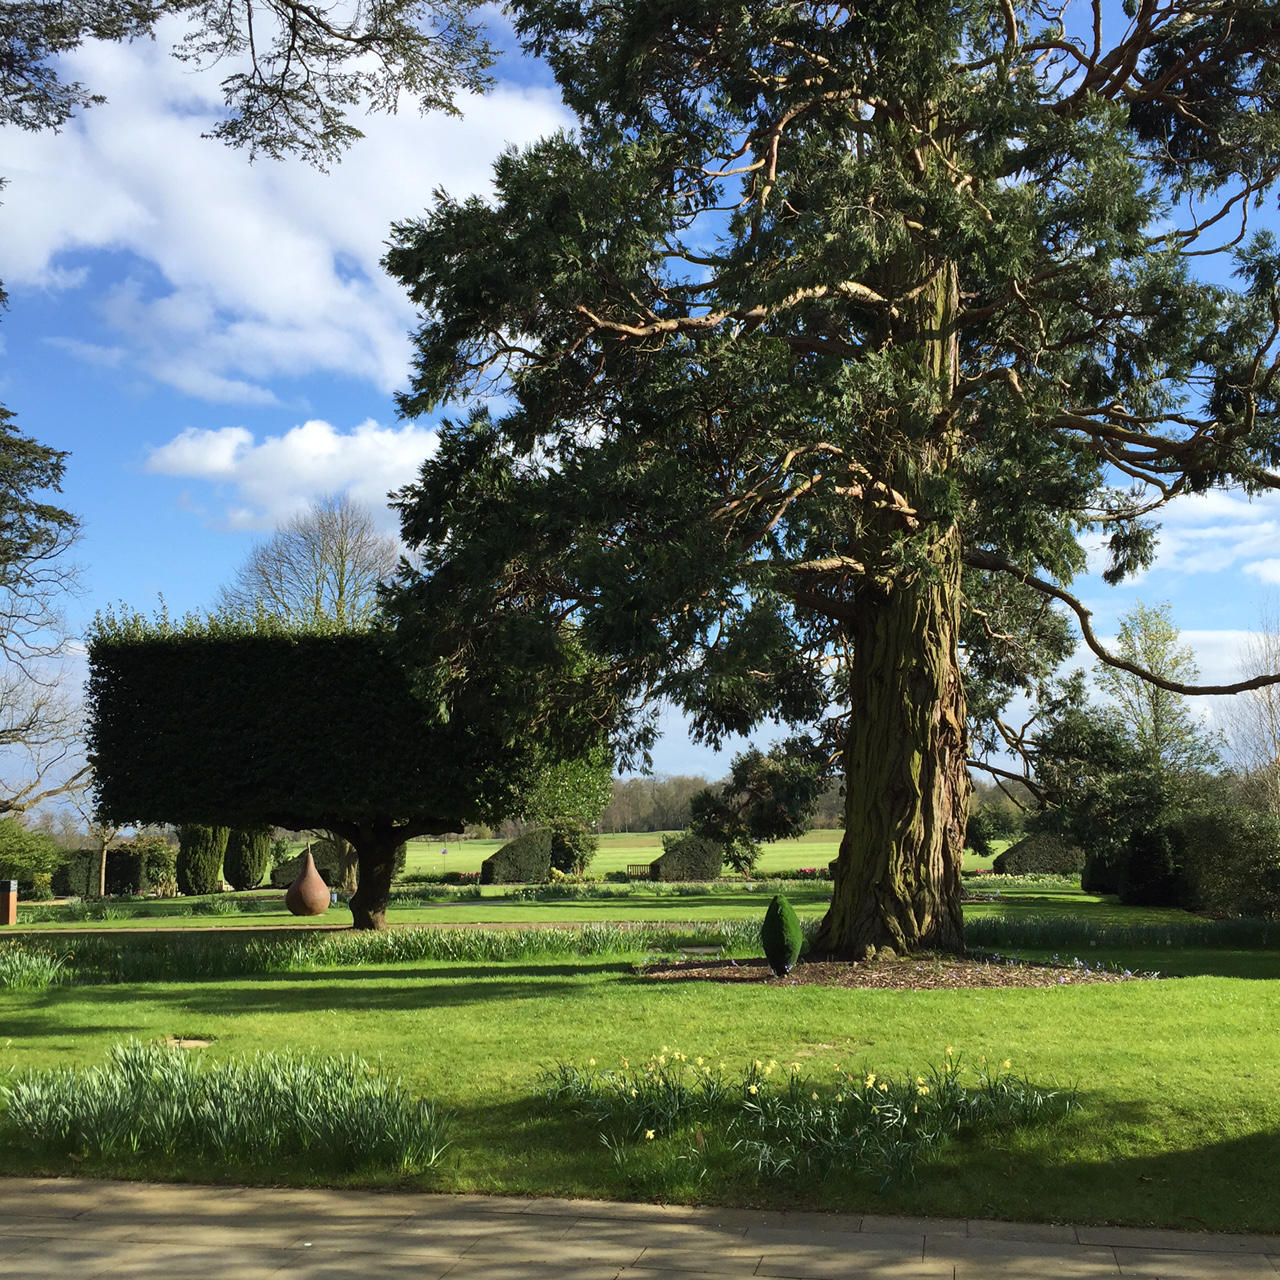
point(238, 273)
point(264, 482)
point(1266, 570)
point(1212, 532)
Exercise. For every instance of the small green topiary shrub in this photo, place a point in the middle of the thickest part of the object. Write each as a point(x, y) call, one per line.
point(687, 857)
point(248, 856)
point(200, 851)
point(524, 860)
point(1043, 854)
point(781, 935)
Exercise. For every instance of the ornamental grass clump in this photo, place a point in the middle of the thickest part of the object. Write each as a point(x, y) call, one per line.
point(162, 1101)
point(22, 970)
point(781, 936)
point(774, 1121)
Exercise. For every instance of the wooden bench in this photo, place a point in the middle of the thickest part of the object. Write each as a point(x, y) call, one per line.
point(638, 871)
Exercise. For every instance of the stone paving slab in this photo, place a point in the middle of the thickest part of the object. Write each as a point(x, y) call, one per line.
point(93, 1230)
point(1193, 1264)
point(1158, 1238)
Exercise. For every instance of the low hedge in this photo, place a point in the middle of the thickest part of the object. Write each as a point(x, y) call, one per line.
point(687, 857)
point(524, 860)
point(1040, 854)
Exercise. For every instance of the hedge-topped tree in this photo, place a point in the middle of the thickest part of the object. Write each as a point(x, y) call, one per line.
point(314, 727)
point(839, 330)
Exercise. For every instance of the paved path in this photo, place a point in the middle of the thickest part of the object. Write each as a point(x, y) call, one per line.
point(78, 1230)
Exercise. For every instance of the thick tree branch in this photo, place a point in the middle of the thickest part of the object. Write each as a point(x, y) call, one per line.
point(979, 559)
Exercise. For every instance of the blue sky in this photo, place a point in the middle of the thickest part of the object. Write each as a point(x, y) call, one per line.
point(215, 345)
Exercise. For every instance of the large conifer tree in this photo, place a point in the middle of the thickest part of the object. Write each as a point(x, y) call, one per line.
point(823, 341)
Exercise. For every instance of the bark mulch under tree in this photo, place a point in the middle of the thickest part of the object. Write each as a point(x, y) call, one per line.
point(918, 973)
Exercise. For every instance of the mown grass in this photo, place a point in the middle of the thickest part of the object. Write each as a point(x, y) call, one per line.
point(1178, 1080)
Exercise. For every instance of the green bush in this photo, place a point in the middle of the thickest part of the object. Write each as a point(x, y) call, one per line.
point(1151, 873)
point(145, 864)
point(26, 854)
point(200, 852)
point(572, 847)
point(781, 936)
point(77, 877)
point(524, 860)
point(248, 856)
point(1230, 861)
point(687, 857)
point(1043, 854)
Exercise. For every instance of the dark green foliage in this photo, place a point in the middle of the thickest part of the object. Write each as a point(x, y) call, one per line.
point(1042, 854)
point(248, 856)
point(1150, 873)
point(321, 764)
point(524, 860)
point(766, 797)
point(687, 857)
point(145, 864)
point(1231, 859)
point(200, 852)
point(781, 936)
point(77, 877)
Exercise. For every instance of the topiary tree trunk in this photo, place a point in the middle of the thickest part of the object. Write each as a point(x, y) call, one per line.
point(377, 845)
point(200, 854)
point(248, 856)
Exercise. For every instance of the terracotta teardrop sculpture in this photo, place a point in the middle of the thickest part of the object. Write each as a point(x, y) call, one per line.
point(308, 895)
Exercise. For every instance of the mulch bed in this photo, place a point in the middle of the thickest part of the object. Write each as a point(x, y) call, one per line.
point(915, 974)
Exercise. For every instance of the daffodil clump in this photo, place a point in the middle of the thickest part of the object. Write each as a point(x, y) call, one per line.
point(774, 1118)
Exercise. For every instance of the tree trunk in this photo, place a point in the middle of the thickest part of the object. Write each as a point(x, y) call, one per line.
point(375, 846)
point(897, 877)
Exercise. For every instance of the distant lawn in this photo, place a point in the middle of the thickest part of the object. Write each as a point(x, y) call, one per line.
point(618, 851)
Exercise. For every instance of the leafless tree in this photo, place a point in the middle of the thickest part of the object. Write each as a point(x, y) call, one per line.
point(39, 719)
point(1253, 718)
point(325, 563)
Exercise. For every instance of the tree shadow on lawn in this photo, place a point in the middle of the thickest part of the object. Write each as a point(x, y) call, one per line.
point(1233, 1185)
point(330, 990)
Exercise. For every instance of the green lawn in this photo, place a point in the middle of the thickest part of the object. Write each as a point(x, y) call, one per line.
point(617, 852)
point(1179, 1078)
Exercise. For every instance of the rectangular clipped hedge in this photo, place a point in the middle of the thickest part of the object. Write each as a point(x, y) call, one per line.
point(299, 729)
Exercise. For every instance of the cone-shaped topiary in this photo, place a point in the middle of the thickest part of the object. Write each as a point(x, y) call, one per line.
point(248, 857)
point(781, 936)
point(200, 851)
